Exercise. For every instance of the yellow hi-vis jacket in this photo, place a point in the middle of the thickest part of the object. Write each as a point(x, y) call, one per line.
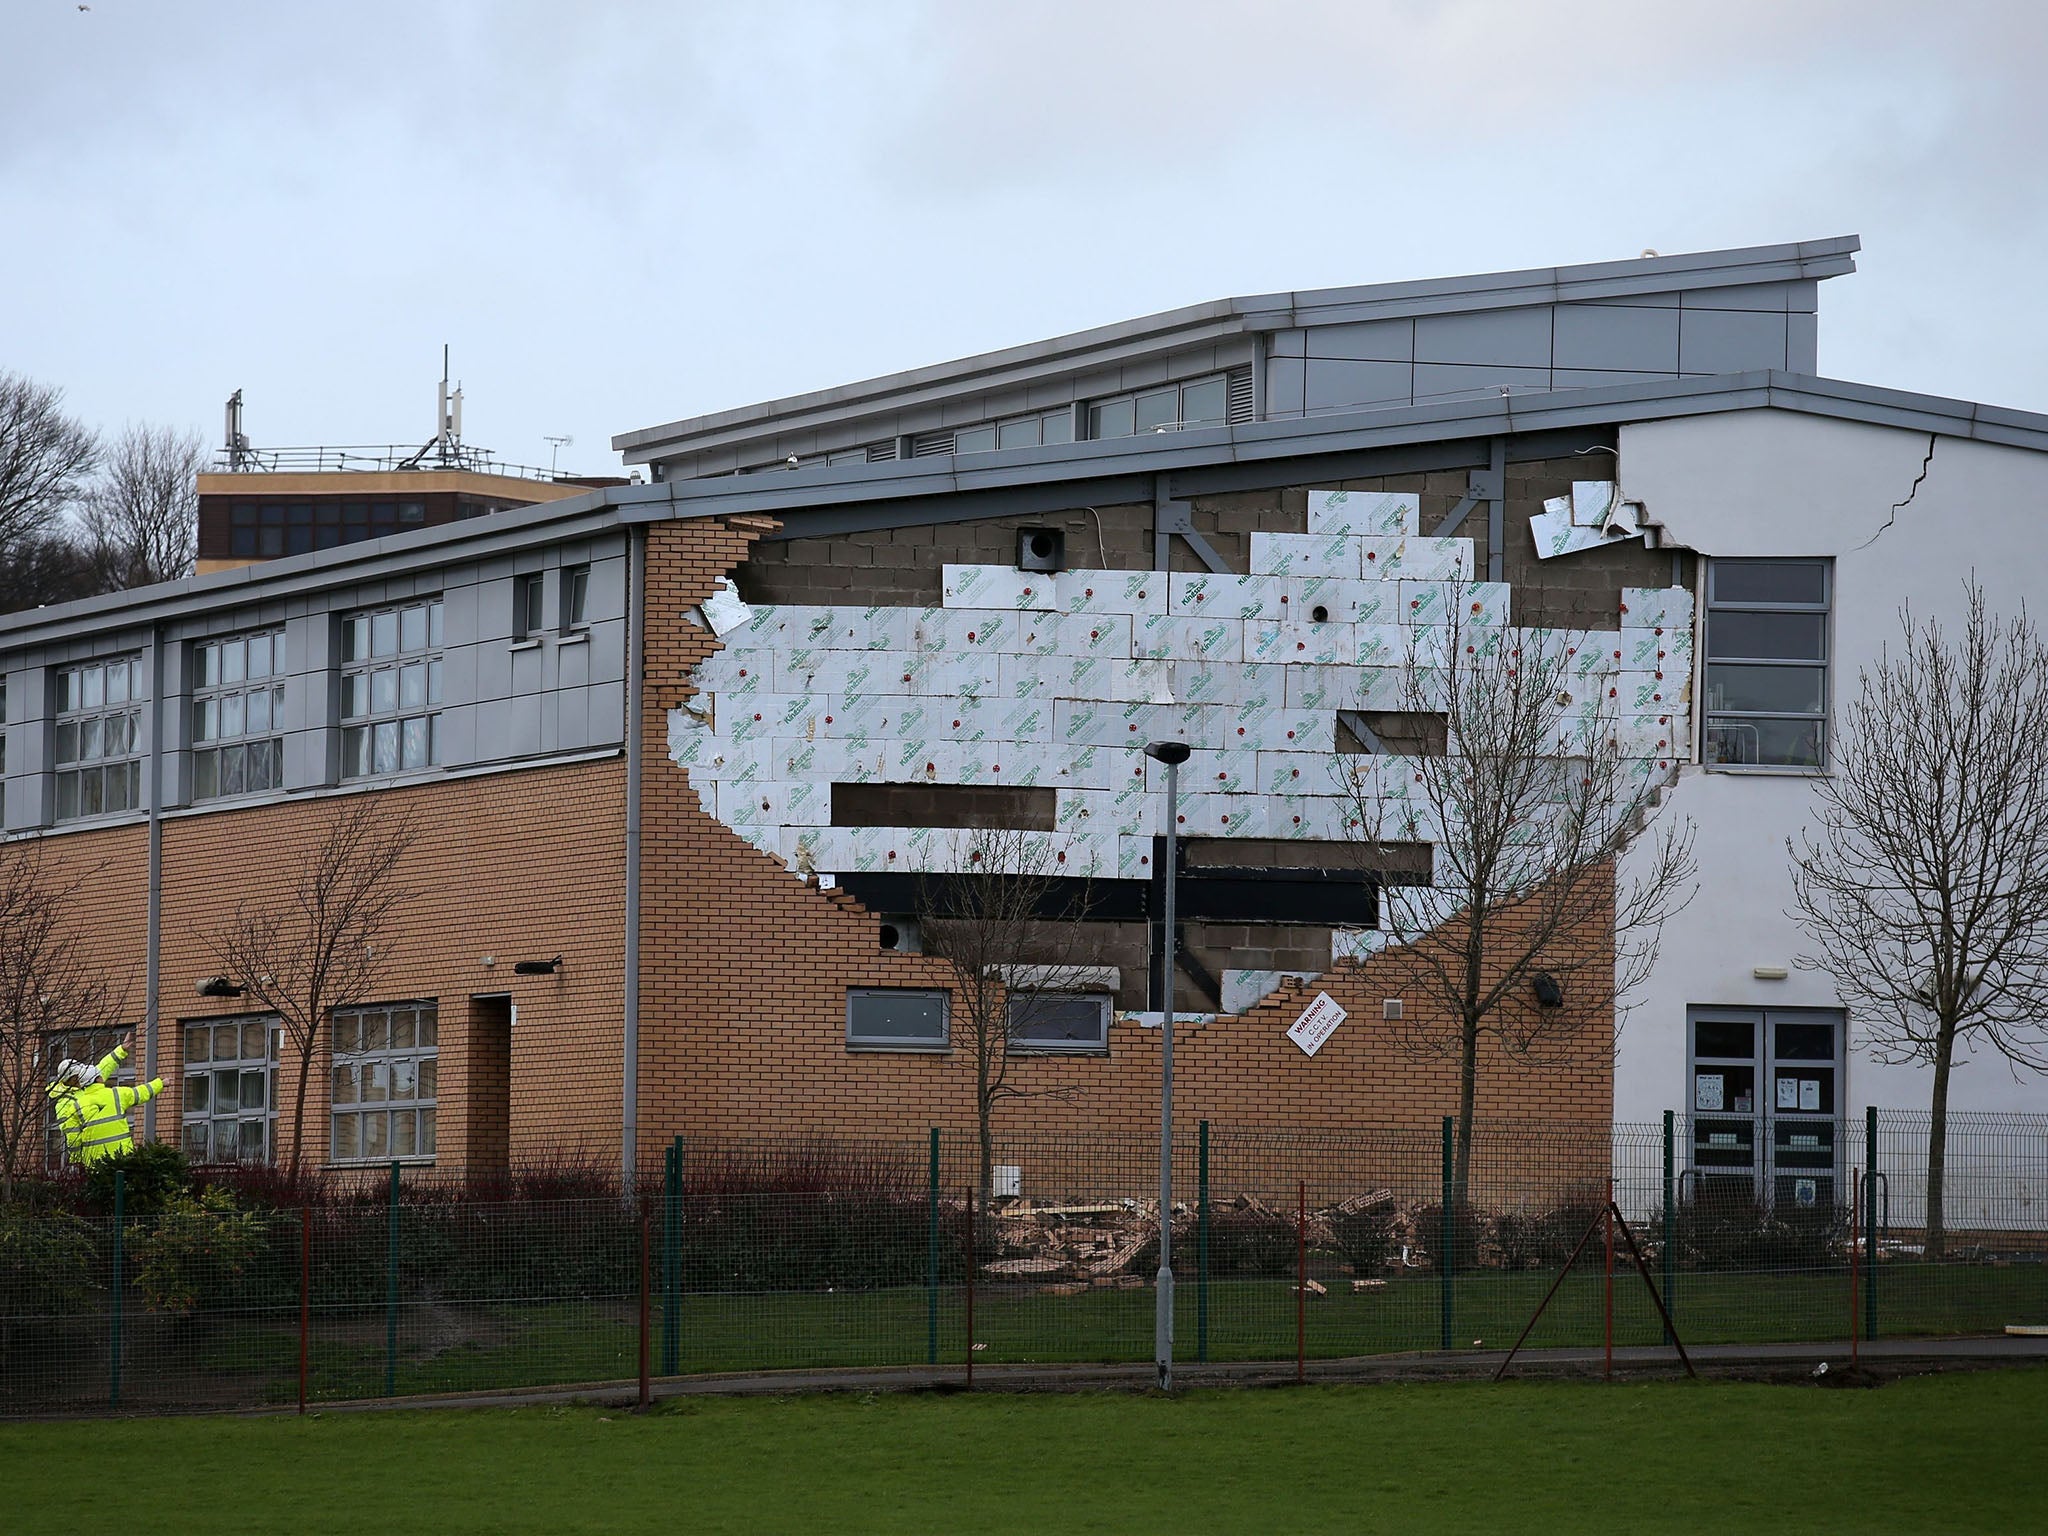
point(95, 1118)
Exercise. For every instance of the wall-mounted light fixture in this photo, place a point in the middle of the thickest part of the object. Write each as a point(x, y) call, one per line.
point(1769, 972)
point(1548, 993)
point(218, 986)
point(537, 967)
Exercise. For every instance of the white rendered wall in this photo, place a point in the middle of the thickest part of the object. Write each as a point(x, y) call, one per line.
point(1764, 482)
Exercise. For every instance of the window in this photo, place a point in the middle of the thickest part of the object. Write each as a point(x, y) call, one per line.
point(238, 715)
point(269, 529)
point(87, 1045)
point(391, 690)
point(1035, 430)
point(1766, 1103)
point(99, 738)
point(894, 1019)
point(1059, 1021)
point(1209, 401)
point(575, 598)
point(528, 598)
point(1767, 663)
point(3, 725)
point(231, 1089)
point(386, 1061)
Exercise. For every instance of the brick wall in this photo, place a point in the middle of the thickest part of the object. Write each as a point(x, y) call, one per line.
point(515, 866)
point(745, 970)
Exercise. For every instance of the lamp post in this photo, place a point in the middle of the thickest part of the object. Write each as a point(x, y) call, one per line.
point(1173, 754)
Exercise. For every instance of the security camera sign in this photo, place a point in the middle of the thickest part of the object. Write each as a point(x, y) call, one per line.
point(1317, 1023)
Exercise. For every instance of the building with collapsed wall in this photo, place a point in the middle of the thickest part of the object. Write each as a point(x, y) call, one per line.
point(705, 741)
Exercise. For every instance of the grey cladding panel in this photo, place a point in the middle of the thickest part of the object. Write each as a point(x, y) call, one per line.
point(1441, 382)
point(1731, 340)
point(1514, 337)
point(1333, 385)
point(1802, 343)
point(1283, 387)
point(1385, 341)
point(1753, 296)
point(1613, 337)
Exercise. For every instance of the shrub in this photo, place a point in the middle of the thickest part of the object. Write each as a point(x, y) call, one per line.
point(1365, 1235)
point(1426, 1225)
point(199, 1254)
point(1524, 1239)
point(1737, 1230)
point(49, 1262)
point(1252, 1241)
point(154, 1175)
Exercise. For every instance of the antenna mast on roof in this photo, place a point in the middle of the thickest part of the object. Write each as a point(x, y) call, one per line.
point(236, 446)
point(448, 418)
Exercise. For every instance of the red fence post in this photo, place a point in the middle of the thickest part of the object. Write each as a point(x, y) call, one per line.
point(646, 1392)
point(1301, 1283)
point(970, 1287)
point(305, 1294)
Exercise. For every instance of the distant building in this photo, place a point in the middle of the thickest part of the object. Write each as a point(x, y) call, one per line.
point(981, 585)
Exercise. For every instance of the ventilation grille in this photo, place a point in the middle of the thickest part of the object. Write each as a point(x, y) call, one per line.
point(925, 444)
point(1239, 404)
point(882, 453)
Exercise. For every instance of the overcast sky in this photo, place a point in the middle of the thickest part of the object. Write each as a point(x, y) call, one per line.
point(620, 213)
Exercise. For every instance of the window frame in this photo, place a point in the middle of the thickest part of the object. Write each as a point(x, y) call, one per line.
point(242, 1064)
point(424, 1104)
point(1823, 719)
point(131, 709)
point(529, 605)
point(1015, 1046)
point(912, 1044)
point(575, 598)
point(397, 660)
point(217, 692)
point(64, 1044)
point(1094, 409)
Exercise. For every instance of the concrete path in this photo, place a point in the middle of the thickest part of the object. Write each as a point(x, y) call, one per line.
point(1883, 1356)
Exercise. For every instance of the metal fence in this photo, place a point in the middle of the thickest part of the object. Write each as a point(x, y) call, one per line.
point(775, 1255)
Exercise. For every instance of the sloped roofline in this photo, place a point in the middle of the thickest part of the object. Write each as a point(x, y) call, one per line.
point(852, 486)
point(1178, 329)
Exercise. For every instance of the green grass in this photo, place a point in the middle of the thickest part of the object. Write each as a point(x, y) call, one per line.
point(1951, 1453)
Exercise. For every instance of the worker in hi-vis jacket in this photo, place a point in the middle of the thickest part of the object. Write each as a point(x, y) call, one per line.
point(94, 1112)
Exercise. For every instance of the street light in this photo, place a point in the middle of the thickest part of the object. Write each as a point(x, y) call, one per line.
point(1173, 754)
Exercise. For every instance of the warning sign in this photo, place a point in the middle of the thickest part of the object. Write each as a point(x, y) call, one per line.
point(1317, 1023)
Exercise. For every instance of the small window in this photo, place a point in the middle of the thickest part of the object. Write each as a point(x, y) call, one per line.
point(1766, 680)
point(1059, 1022)
point(386, 1069)
point(528, 598)
point(575, 598)
point(892, 1019)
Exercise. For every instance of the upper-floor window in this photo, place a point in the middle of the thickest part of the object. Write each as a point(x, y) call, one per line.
point(295, 527)
point(529, 604)
point(1766, 676)
point(1202, 402)
point(230, 1112)
point(3, 724)
point(391, 689)
point(575, 598)
point(99, 737)
point(1032, 431)
point(238, 715)
point(386, 1062)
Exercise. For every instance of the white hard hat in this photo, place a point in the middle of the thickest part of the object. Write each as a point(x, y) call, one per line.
point(82, 1074)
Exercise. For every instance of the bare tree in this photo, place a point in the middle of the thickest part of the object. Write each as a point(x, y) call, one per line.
point(141, 517)
point(45, 457)
point(325, 944)
point(1540, 788)
point(1009, 926)
point(1924, 888)
point(48, 566)
point(48, 987)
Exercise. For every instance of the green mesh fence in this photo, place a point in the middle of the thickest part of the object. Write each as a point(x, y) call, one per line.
point(780, 1255)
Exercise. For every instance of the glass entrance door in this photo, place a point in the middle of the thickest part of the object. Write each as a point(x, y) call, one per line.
point(1766, 1103)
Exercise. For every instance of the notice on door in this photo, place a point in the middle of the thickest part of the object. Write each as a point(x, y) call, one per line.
point(1707, 1090)
point(1317, 1023)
